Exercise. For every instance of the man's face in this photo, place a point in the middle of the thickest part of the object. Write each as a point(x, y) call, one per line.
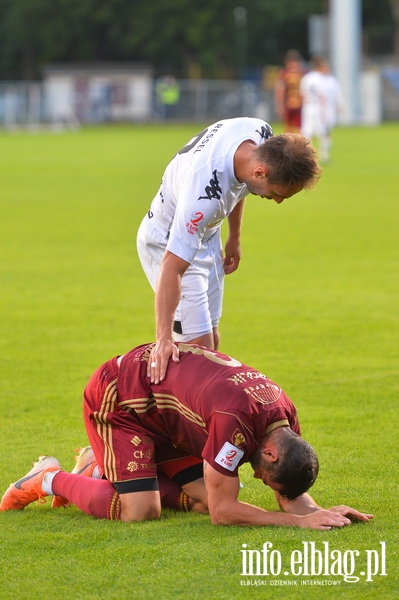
point(293, 66)
point(261, 471)
point(260, 186)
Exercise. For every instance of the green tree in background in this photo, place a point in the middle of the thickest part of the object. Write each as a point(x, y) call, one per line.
point(183, 37)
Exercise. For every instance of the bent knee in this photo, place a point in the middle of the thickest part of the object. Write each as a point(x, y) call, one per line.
point(140, 506)
point(150, 513)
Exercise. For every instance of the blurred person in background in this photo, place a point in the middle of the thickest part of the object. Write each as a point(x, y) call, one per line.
point(168, 95)
point(321, 100)
point(334, 106)
point(287, 97)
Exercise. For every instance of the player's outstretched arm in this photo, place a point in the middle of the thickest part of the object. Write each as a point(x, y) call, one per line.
point(305, 505)
point(226, 509)
point(351, 513)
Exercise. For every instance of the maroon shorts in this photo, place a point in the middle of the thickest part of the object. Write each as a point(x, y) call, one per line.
point(293, 117)
point(127, 454)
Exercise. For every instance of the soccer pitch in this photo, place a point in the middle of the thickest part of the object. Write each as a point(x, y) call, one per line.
point(314, 305)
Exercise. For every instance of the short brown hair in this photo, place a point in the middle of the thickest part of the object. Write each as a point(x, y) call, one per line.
point(291, 160)
point(297, 467)
point(292, 55)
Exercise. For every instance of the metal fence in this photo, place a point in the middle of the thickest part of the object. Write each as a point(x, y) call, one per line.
point(212, 100)
point(30, 105)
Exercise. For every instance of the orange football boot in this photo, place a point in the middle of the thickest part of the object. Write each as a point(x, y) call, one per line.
point(29, 488)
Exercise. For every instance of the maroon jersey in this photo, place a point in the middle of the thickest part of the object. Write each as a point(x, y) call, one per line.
point(290, 80)
point(209, 404)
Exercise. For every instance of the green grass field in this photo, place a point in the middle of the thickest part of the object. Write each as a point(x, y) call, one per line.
point(314, 305)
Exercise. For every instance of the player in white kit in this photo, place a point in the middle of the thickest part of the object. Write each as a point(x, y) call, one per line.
point(179, 241)
point(321, 99)
point(335, 105)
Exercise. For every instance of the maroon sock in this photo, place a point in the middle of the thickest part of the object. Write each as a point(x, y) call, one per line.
point(172, 496)
point(95, 497)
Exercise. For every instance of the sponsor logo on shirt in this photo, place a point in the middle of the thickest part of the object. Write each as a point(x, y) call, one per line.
point(213, 190)
point(193, 223)
point(229, 456)
point(136, 440)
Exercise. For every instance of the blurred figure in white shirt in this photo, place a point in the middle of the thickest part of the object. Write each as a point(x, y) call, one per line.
point(321, 100)
point(335, 105)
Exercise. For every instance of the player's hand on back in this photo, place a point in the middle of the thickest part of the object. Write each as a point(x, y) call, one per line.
point(160, 355)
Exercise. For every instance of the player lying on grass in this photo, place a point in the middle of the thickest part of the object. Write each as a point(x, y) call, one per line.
point(212, 411)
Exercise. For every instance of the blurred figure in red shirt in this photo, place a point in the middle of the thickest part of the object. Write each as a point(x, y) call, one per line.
point(287, 98)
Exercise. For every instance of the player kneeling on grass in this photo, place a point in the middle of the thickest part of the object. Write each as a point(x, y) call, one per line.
point(180, 443)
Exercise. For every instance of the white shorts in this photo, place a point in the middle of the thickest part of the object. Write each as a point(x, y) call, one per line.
point(200, 306)
point(313, 124)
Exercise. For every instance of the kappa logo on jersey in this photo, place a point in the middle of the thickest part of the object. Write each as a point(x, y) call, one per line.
point(229, 456)
point(192, 225)
point(213, 190)
point(265, 132)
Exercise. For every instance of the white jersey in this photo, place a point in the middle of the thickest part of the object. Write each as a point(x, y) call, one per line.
point(199, 187)
point(334, 99)
point(313, 89)
point(314, 104)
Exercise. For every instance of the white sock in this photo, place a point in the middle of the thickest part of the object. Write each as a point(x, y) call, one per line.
point(96, 473)
point(47, 482)
point(325, 146)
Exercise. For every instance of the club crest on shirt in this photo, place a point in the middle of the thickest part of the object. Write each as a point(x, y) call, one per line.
point(238, 438)
point(229, 456)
